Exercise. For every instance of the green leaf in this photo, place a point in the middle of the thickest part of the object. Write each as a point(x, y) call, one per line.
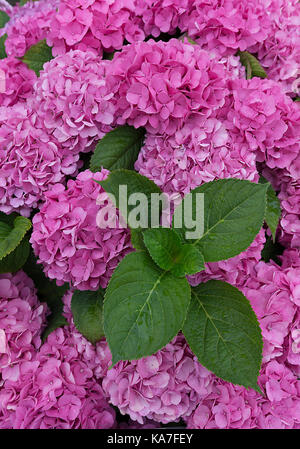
point(118, 149)
point(12, 232)
point(234, 212)
point(48, 292)
point(273, 210)
point(190, 261)
point(86, 308)
point(144, 308)
point(297, 99)
point(4, 18)
point(131, 183)
point(253, 67)
point(223, 332)
point(37, 55)
point(16, 259)
point(167, 251)
point(137, 239)
point(2, 46)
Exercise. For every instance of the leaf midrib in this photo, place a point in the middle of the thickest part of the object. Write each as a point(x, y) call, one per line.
point(145, 303)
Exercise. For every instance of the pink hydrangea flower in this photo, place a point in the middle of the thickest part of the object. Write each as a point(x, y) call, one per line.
point(94, 25)
point(160, 16)
point(21, 319)
point(31, 161)
point(72, 100)
point(262, 116)
point(270, 293)
point(225, 26)
point(279, 53)
point(289, 196)
point(57, 389)
point(67, 239)
point(233, 407)
point(18, 81)
point(158, 85)
point(164, 387)
point(199, 152)
point(28, 25)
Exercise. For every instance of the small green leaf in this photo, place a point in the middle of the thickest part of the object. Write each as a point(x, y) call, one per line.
point(273, 210)
point(15, 260)
point(125, 183)
point(137, 239)
point(4, 18)
point(12, 232)
point(167, 251)
point(234, 212)
point(118, 149)
point(144, 307)
point(297, 99)
point(37, 55)
point(223, 332)
point(190, 261)
point(86, 308)
point(253, 67)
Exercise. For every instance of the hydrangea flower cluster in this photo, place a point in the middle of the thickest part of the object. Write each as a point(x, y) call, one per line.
point(164, 387)
point(72, 100)
point(97, 24)
point(164, 84)
point(52, 385)
point(233, 407)
point(67, 239)
point(29, 24)
point(21, 320)
point(226, 26)
point(19, 81)
point(31, 160)
point(204, 121)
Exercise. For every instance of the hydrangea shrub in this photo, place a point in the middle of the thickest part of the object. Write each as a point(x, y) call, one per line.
point(102, 306)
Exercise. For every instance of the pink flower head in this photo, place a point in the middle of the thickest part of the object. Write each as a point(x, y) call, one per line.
point(199, 152)
point(67, 239)
point(57, 389)
point(72, 100)
point(234, 407)
point(21, 321)
point(160, 84)
point(28, 25)
point(94, 25)
point(268, 121)
point(160, 16)
point(279, 53)
point(18, 81)
point(224, 26)
point(289, 196)
point(31, 161)
point(164, 387)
